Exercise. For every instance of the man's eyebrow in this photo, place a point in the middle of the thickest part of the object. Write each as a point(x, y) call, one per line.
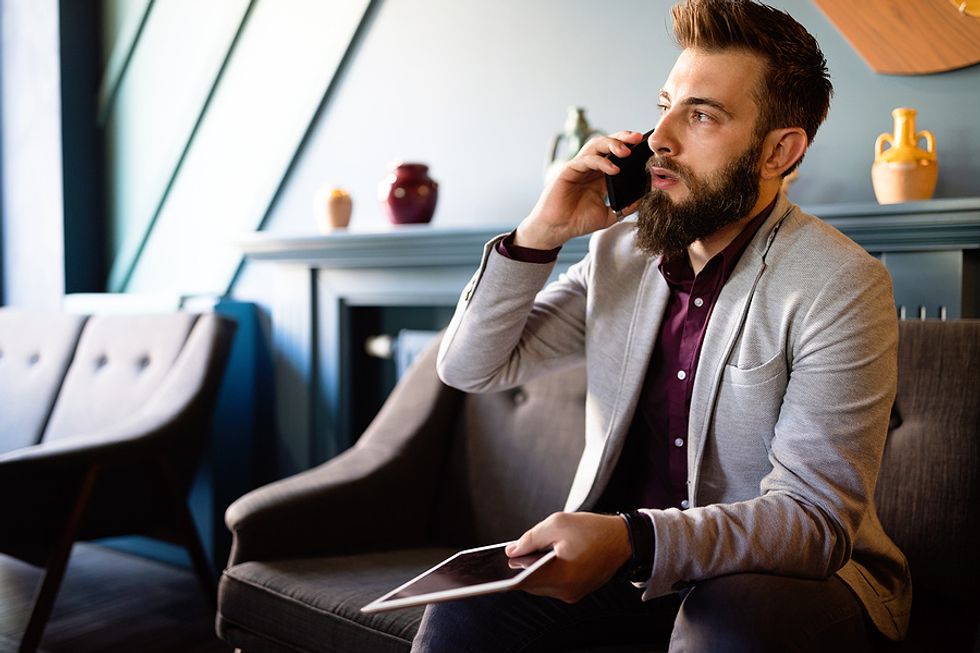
point(699, 101)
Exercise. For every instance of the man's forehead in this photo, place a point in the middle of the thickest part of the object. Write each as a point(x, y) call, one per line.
point(727, 78)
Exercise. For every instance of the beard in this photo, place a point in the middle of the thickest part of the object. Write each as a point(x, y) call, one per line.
point(717, 200)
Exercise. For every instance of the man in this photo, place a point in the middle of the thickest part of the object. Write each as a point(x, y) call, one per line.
point(741, 360)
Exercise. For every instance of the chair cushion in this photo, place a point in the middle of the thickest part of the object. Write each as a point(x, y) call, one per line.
point(523, 444)
point(120, 362)
point(314, 604)
point(35, 350)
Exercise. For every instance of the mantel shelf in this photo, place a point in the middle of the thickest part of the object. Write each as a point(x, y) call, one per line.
point(926, 225)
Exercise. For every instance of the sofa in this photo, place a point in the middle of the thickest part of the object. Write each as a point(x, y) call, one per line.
point(102, 423)
point(439, 470)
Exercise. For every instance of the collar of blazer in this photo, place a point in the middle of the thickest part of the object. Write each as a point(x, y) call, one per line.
point(724, 328)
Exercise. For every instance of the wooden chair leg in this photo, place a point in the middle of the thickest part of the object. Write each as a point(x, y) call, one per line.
point(203, 569)
point(55, 569)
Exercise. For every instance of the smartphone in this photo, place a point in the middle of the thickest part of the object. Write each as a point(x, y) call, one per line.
point(633, 180)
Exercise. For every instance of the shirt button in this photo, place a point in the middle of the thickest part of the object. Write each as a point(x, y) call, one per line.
point(698, 302)
point(679, 442)
point(685, 504)
point(681, 374)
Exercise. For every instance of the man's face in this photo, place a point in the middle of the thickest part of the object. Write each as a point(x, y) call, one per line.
point(706, 153)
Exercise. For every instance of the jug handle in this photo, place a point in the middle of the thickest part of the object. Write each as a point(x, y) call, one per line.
point(555, 142)
point(880, 143)
point(930, 140)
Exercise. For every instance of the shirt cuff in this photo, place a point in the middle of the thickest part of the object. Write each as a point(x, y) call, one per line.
point(506, 247)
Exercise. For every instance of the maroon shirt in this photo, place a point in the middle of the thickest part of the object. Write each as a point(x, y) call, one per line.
point(652, 469)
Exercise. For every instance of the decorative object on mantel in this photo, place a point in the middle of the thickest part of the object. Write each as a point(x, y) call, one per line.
point(332, 208)
point(408, 193)
point(904, 171)
point(566, 144)
point(909, 37)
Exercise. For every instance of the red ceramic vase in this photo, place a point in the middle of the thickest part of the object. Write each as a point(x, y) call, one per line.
point(409, 194)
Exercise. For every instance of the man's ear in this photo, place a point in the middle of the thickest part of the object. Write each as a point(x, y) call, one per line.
point(781, 149)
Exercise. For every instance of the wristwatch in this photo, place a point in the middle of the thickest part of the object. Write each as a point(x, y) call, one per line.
point(640, 566)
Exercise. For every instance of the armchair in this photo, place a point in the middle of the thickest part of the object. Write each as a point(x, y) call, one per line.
point(102, 420)
point(438, 470)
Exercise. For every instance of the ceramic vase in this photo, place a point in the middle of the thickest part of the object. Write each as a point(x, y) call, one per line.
point(332, 208)
point(903, 171)
point(408, 193)
point(565, 145)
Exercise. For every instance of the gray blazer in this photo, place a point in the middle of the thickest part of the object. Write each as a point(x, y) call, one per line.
point(790, 406)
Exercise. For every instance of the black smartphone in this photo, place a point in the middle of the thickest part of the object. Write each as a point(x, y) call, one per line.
point(633, 180)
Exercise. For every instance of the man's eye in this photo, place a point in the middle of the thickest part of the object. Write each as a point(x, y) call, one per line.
point(663, 108)
point(701, 117)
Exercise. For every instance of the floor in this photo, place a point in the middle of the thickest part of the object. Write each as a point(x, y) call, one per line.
point(111, 602)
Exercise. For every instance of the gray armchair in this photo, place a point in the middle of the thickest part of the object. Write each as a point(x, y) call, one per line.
point(438, 470)
point(102, 421)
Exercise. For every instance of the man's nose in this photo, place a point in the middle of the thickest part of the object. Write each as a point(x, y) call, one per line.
point(662, 141)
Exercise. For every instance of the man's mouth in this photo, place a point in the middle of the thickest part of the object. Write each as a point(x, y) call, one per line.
point(662, 178)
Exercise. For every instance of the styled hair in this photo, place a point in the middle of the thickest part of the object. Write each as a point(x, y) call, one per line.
point(795, 90)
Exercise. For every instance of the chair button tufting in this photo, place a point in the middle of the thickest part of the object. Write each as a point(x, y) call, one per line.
point(520, 397)
point(143, 362)
point(33, 360)
point(101, 362)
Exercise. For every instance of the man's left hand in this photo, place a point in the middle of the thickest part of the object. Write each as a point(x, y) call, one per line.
point(590, 549)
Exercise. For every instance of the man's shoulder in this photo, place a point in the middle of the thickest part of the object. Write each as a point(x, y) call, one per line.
point(803, 236)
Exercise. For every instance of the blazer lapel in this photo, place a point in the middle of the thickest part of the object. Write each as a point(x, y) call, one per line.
point(649, 304)
point(724, 327)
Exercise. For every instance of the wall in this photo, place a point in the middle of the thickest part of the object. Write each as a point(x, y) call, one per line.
point(477, 89)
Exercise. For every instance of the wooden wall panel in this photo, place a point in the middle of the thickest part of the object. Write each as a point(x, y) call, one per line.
point(907, 38)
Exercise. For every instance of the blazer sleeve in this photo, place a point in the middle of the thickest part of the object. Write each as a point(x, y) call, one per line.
point(507, 329)
point(825, 451)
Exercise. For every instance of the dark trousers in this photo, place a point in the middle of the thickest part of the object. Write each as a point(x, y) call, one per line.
point(740, 613)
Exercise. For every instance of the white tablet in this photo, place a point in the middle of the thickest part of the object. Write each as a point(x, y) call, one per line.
point(483, 570)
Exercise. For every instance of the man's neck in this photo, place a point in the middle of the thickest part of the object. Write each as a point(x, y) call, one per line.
point(701, 251)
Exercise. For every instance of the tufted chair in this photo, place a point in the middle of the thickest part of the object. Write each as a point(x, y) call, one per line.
point(102, 421)
point(438, 470)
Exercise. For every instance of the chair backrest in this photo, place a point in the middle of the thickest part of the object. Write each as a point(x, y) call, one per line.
point(512, 459)
point(35, 350)
point(929, 488)
point(120, 362)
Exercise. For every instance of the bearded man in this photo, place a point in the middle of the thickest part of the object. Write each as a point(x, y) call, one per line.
point(741, 361)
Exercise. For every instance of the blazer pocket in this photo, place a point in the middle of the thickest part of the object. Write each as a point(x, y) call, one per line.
point(746, 377)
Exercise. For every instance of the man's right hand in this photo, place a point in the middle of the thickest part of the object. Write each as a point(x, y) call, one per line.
point(573, 204)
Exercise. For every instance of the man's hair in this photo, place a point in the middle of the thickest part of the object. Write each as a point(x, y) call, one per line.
point(795, 90)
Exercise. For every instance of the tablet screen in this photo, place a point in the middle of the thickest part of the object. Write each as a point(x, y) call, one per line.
point(468, 573)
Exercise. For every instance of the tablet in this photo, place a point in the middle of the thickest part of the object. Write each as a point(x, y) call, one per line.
point(483, 570)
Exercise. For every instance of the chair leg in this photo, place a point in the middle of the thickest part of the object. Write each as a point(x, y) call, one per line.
point(55, 569)
point(192, 540)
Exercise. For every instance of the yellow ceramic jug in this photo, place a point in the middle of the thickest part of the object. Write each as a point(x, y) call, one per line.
point(903, 171)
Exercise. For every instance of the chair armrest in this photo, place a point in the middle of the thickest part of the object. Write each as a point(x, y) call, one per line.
point(377, 495)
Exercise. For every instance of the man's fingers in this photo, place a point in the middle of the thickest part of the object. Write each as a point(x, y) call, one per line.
point(589, 162)
point(522, 546)
point(618, 143)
